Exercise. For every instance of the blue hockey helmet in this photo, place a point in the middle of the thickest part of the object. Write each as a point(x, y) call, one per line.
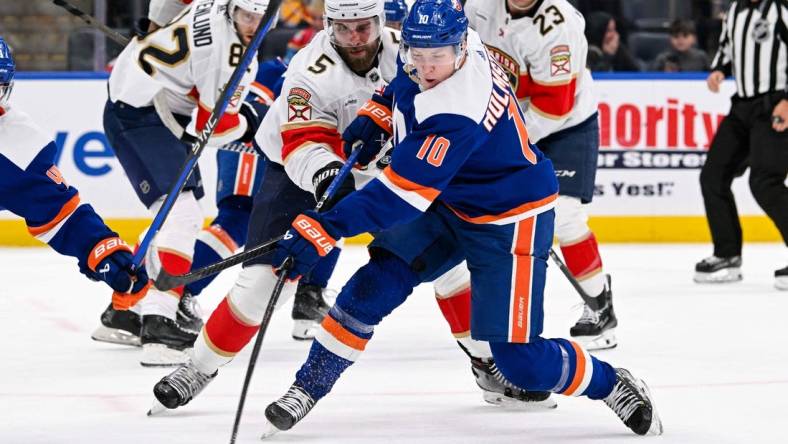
point(396, 10)
point(435, 23)
point(7, 71)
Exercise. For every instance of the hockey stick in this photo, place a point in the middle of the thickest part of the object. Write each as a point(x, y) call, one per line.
point(113, 35)
point(572, 280)
point(166, 281)
point(258, 342)
point(202, 139)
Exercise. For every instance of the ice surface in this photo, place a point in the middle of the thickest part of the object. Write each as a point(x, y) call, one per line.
point(714, 356)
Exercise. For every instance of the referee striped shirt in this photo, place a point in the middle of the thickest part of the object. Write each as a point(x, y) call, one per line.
point(754, 46)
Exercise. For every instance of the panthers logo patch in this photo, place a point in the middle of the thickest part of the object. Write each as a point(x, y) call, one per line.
point(298, 106)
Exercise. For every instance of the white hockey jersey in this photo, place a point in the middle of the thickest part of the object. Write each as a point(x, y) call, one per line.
point(21, 139)
point(162, 12)
point(545, 54)
point(320, 97)
point(190, 59)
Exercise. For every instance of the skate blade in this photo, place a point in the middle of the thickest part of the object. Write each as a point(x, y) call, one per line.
point(304, 330)
point(723, 276)
point(269, 430)
point(605, 341)
point(156, 408)
point(115, 336)
point(781, 283)
point(159, 355)
point(656, 423)
point(507, 402)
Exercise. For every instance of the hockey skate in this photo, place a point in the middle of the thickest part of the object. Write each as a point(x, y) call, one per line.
point(631, 401)
point(781, 278)
point(164, 342)
point(179, 387)
point(286, 411)
point(497, 390)
point(309, 308)
point(189, 315)
point(715, 269)
point(596, 328)
point(118, 327)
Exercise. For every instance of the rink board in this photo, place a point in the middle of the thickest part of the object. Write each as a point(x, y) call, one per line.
point(654, 133)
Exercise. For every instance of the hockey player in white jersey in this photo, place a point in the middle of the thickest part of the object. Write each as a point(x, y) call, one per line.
point(161, 12)
point(184, 64)
point(326, 84)
point(32, 187)
point(541, 45)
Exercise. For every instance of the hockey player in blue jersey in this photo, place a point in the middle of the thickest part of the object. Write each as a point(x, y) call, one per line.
point(463, 176)
point(32, 187)
point(396, 10)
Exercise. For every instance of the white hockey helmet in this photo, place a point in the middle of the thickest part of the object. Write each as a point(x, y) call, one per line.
point(247, 15)
point(353, 10)
point(255, 6)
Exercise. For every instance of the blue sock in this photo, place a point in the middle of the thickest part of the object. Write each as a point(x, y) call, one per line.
point(552, 365)
point(373, 292)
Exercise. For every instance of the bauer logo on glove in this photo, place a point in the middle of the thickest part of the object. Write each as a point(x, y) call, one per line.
point(313, 232)
point(306, 244)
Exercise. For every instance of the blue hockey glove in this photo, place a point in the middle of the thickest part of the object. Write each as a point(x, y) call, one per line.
point(372, 127)
point(306, 242)
point(110, 261)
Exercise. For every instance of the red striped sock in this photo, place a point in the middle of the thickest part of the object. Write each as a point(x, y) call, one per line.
point(226, 332)
point(582, 257)
point(457, 311)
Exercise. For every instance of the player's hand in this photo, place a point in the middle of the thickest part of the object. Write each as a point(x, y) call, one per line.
point(780, 116)
point(372, 127)
point(306, 242)
point(322, 180)
point(253, 112)
point(110, 261)
point(714, 80)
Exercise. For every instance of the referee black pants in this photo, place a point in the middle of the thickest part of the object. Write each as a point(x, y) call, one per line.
point(745, 134)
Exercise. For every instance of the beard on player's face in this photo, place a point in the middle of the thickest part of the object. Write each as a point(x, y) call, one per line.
point(360, 58)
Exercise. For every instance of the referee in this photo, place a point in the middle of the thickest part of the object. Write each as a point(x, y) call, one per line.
point(754, 49)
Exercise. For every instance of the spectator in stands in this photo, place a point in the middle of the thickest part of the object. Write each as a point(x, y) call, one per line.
point(294, 14)
point(605, 50)
point(683, 54)
point(313, 15)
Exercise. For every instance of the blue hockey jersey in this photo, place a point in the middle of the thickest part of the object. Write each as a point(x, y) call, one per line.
point(463, 143)
point(32, 187)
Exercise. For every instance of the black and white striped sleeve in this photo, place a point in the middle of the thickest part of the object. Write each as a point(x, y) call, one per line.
point(782, 31)
point(723, 58)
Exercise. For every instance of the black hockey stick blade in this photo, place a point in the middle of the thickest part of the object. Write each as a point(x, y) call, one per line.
point(166, 281)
